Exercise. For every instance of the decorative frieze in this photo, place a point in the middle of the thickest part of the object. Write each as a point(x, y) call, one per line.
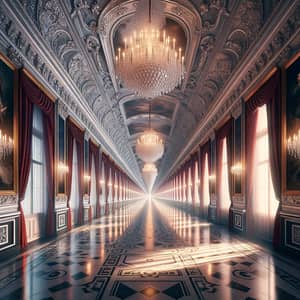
point(8, 203)
point(62, 109)
point(291, 200)
point(237, 109)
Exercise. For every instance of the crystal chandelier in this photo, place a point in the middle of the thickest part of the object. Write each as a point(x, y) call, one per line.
point(150, 64)
point(149, 174)
point(6, 145)
point(293, 146)
point(150, 146)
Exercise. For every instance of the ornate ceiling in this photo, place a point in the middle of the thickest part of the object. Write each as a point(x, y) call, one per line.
point(219, 34)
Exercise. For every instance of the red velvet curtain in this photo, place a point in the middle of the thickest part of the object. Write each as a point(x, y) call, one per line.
point(94, 152)
point(205, 149)
point(268, 94)
point(224, 132)
point(73, 132)
point(31, 95)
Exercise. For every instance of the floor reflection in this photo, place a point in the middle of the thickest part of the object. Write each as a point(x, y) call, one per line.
point(149, 250)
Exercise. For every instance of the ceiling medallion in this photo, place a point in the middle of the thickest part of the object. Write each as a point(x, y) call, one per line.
point(149, 64)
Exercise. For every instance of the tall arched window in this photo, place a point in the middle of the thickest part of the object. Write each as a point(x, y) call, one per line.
point(34, 204)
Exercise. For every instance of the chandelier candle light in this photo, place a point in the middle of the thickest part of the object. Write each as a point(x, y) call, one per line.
point(293, 145)
point(6, 145)
point(150, 64)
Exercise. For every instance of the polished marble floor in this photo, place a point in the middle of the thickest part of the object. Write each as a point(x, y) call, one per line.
point(149, 250)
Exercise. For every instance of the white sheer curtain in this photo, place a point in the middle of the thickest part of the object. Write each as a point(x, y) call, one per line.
point(35, 201)
point(74, 196)
point(93, 192)
point(205, 187)
point(264, 205)
point(224, 196)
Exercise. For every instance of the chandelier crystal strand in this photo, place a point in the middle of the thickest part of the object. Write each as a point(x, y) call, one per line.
point(6, 145)
point(149, 64)
point(293, 145)
point(150, 146)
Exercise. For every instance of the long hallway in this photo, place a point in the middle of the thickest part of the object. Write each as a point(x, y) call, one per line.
point(149, 250)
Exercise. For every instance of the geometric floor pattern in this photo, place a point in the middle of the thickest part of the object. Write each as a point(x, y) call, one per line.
point(149, 250)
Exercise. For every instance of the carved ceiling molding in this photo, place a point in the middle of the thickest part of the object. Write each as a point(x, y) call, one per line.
point(54, 24)
point(237, 109)
point(62, 109)
point(22, 50)
point(59, 34)
point(216, 66)
point(277, 50)
point(117, 12)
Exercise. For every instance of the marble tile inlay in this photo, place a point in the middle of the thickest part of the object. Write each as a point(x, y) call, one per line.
point(149, 250)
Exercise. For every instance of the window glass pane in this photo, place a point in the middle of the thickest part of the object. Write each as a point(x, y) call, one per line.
point(37, 123)
point(38, 188)
point(35, 195)
point(37, 149)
